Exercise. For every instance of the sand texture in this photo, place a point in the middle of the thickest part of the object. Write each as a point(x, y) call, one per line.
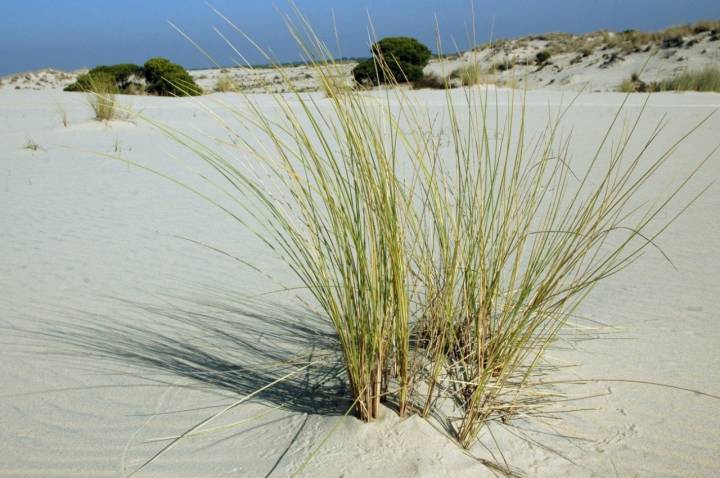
point(119, 329)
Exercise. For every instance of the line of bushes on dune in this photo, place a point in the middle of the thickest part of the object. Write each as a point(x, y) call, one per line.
point(158, 76)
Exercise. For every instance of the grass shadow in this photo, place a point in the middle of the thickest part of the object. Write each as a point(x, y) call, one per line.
point(235, 346)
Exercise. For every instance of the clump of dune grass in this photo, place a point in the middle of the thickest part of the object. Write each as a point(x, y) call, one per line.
point(627, 86)
point(516, 241)
point(448, 252)
point(102, 97)
point(225, 84)
point(706, 79)
point(334, 82)
point(471, 74)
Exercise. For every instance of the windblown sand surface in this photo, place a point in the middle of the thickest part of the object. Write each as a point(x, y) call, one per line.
point(94, 254)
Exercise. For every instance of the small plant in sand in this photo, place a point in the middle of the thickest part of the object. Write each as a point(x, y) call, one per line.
point(225, 84)
point(471, 74)
point(102, 97)
point(62, 112)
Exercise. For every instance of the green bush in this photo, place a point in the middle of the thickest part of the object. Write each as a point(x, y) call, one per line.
point(122, 73)
point(395, 60)
point(165, 78)
point(122, 76)
point(86, 82)
point(542, 57)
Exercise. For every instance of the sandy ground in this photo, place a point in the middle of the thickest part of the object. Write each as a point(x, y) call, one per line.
point(92, 253)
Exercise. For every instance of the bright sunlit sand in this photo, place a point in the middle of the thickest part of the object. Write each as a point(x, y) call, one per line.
point(234, 283)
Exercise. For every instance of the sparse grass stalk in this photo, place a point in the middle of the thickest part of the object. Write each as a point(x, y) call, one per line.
point(63, 115)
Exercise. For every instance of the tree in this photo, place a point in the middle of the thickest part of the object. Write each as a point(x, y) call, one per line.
point(395, 60)
point(165, 78)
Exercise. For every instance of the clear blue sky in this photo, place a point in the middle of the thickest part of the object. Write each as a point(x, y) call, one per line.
point(70, 34)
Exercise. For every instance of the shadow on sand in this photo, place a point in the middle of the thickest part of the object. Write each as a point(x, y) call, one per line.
point(227, 345)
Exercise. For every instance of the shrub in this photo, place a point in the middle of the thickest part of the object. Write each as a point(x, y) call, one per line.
point(165, 78)
point(430, 81)
point(124, 76)
point(674, 41)
point(504, 65)
point(395, 60)
point(542, 57)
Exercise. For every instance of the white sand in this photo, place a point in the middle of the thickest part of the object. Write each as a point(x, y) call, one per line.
point(86, 240)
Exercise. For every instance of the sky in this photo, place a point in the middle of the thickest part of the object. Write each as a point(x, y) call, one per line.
point(72, 34)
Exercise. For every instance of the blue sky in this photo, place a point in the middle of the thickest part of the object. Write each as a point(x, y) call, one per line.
point(70, 34)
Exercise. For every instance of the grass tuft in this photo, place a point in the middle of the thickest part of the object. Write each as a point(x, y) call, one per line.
point(472, 74)
point(706, 79)
point(225, 84)
point(102, 99)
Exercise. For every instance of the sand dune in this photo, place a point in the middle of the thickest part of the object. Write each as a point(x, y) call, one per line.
point(593, 62)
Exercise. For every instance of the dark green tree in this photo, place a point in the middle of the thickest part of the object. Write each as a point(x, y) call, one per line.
point(395, 60)
point(165, 78)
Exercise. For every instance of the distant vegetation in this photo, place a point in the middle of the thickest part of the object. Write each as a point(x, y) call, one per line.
point(165, 78)
point(469, 75)
point(542, 57)
point(395, 60)
point(626, 42)
point(225, 84)
point(158, 76)
point(706, 79)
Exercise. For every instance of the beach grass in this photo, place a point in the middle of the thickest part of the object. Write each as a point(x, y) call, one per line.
point(472, 74)
point(102, 98)
point(447, 252)
point(225, 84)
point(705, 79)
